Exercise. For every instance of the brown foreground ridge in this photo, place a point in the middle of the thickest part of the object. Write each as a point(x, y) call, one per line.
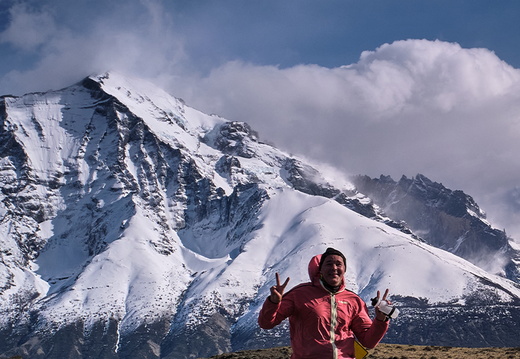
point(392, 351)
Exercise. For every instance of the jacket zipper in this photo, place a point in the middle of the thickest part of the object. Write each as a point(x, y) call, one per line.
point(333, 322)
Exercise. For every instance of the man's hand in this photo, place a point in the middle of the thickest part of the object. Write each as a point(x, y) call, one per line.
point(278, 289)
point(379, 314)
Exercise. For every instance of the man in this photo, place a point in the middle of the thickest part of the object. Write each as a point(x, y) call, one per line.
point(324, 317)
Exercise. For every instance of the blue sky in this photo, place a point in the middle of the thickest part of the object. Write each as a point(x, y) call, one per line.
point(334, 33)
point(371, 87)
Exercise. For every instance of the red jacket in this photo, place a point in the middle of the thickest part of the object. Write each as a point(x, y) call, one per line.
point(323, 324)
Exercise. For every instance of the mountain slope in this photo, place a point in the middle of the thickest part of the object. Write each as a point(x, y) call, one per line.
point(133, 226)
point(446, 219)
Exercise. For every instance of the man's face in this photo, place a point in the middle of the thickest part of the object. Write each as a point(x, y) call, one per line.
point(332, 270)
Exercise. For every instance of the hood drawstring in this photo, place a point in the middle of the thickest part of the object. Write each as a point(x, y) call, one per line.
point(330, 288)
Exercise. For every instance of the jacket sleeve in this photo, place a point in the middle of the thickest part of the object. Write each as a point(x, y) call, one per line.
point(369, 332)
point(273, 314)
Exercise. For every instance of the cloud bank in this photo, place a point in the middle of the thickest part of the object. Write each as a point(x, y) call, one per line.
point(407, 107)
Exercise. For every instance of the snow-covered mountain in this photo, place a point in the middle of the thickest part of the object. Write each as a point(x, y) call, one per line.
point(134, 226)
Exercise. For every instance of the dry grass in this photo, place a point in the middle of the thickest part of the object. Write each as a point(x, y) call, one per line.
point(393, 351)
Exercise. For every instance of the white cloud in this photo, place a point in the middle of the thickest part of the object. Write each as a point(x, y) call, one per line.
point(28, 28)
point(408, 107)
point(143, 44)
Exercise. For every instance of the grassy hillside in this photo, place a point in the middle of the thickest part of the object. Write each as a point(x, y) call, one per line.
point(393, 351)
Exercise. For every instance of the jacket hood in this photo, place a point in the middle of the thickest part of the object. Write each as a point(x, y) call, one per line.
point(314, 269)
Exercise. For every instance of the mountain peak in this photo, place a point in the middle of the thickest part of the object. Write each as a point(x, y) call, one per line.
point(448, 219)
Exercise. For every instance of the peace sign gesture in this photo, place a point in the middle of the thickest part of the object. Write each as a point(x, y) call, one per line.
point(384, 295)
point(379, 314)
point(278, 289)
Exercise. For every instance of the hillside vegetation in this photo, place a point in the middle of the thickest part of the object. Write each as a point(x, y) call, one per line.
point(392, 351)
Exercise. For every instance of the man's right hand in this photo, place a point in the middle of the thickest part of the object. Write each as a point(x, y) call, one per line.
point(278, 289)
